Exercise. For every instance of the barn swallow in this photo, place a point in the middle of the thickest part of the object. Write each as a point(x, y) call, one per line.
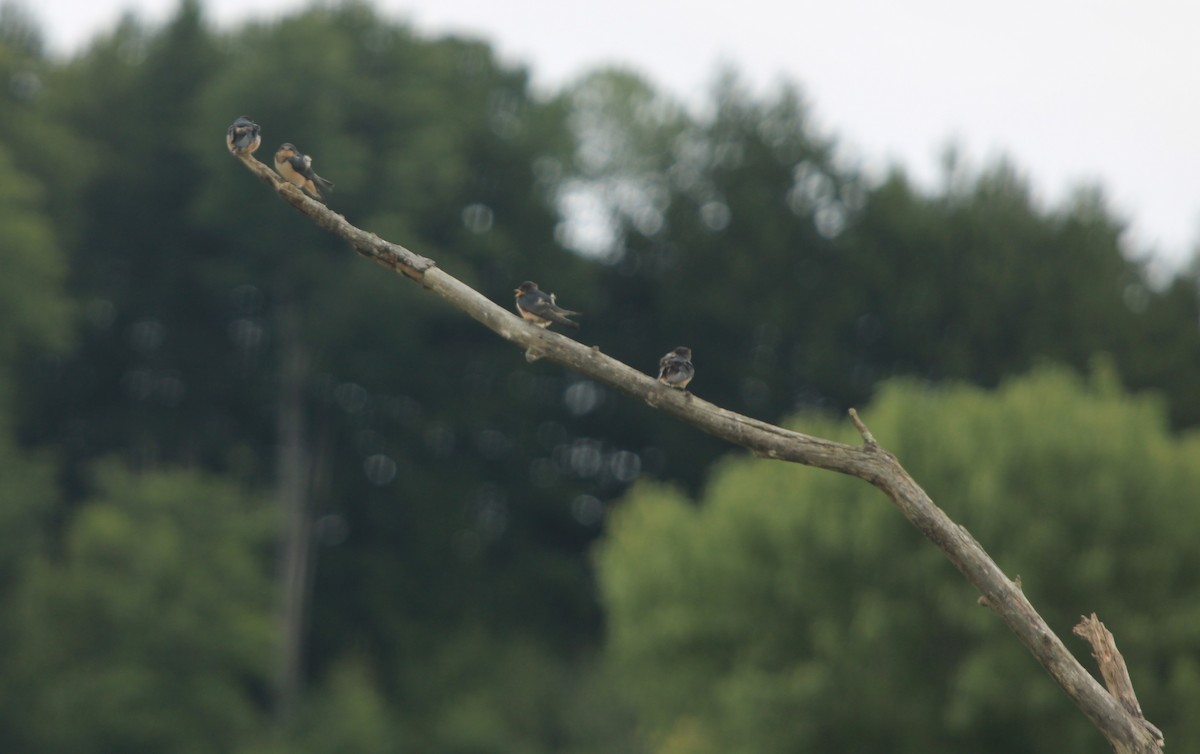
point(243, 136)
point(297, 169)
point(675, 369)
point(540, 308)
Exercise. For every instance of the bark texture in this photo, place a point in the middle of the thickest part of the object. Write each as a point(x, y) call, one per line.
point(1112, 667)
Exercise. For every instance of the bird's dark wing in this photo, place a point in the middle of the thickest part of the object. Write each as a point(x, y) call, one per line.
point(541, 305)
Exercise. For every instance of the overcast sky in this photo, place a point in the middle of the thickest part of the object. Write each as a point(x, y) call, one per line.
point(1073, 90)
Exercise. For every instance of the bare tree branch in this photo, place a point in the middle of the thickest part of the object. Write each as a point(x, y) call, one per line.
point(869, 462)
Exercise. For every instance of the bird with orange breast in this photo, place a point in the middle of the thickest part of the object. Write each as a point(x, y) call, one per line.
point(541, 308)
point(296, 169)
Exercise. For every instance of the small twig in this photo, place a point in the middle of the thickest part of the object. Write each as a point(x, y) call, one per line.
point(983, 600)
point(867, 437)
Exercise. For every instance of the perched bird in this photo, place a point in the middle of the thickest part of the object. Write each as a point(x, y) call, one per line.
point(540, 308)
point(675, 369)
point(297, 169)
point(243, 136)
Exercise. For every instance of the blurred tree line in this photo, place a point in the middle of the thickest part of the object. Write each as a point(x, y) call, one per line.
point(191, 374)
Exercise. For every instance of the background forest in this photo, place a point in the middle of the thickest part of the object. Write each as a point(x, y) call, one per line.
point(198, 388)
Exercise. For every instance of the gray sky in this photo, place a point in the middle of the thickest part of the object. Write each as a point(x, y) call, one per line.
point(1074, 90)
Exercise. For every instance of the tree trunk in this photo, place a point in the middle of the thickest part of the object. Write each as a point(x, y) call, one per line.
point(292, 464)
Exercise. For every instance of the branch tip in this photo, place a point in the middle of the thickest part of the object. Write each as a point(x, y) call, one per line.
point(1113, 669)
point(867, 437)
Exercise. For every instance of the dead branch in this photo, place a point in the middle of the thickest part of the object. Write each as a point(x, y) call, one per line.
point(1125, 732)
point(1112, 668)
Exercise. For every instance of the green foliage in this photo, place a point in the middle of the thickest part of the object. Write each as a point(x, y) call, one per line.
point(470, 693)
point(980, 281)
point(348, 714)
point(152, 630)
point(28, 501)
point(480, 695)
point(796, 610)
point(1165, 355)
point(33, 306)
